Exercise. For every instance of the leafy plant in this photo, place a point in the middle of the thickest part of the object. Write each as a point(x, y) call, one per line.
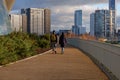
point(19, 45)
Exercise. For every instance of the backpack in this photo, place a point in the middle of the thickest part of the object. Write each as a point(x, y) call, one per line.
point(53, 38)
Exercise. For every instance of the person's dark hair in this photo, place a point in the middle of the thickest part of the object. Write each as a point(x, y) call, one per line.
point(53, 31)
point(62, 34)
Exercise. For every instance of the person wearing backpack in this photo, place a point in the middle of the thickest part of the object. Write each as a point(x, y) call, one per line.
point(53, 40)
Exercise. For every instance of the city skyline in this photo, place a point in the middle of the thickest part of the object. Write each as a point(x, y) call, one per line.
point(63, 11)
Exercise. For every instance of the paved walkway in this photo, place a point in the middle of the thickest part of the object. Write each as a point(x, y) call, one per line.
point(73, 65)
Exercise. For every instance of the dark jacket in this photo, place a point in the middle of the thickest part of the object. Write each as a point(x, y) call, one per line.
point(62, 41)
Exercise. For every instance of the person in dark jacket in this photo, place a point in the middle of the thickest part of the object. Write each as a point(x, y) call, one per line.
point(62, 41)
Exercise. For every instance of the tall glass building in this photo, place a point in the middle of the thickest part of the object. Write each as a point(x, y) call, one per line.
point(102, 24)
point(78, 18)
point(111, 4)
point(92, 22)
point(78, 21)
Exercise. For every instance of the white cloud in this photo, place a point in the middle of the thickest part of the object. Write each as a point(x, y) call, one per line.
point(65, 15)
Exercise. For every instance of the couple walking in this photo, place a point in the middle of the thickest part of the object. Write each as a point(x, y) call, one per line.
point(54, 40)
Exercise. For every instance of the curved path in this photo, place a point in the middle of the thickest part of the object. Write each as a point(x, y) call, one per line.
point(72, 65)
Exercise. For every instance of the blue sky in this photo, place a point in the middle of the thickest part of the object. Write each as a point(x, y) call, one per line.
point(62, 11)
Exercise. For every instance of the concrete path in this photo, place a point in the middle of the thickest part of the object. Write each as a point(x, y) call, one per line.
point(72, 65)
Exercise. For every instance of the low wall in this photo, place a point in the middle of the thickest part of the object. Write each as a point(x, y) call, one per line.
point(107, 55)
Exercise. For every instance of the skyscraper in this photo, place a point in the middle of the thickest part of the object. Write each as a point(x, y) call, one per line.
point(102, 24)
point(92, 23)
point(35, 19)
point(38, 20)
point(112, 8)
point(78, 21)
point(78, 18)
point(111, 4)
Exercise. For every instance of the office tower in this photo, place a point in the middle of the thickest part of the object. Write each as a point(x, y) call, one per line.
point(47, 21)
point(111, 4)
point(78, 18)
point(92, 23)
point(102, 23)
point(16, 22)
point(5, 27)
point(38, 20)
point(78, 21)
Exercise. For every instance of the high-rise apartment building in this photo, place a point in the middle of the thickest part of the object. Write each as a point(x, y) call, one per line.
point(92, 23)
point(102, 23)
point(112, 24)
point(112, 8)
point(35, 19)
point(38, 20)
point(16, 22)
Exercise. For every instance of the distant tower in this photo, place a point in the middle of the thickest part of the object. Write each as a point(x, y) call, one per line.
point(111, 4)
point(112, 18)
point(92, 23)
point(47, 21)
point(78, 21)
point(78, 17)
point(102, 27)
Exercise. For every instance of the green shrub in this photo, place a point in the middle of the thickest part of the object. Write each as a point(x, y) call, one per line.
point(43, 43)
point(19, 45)
point(46, 37)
